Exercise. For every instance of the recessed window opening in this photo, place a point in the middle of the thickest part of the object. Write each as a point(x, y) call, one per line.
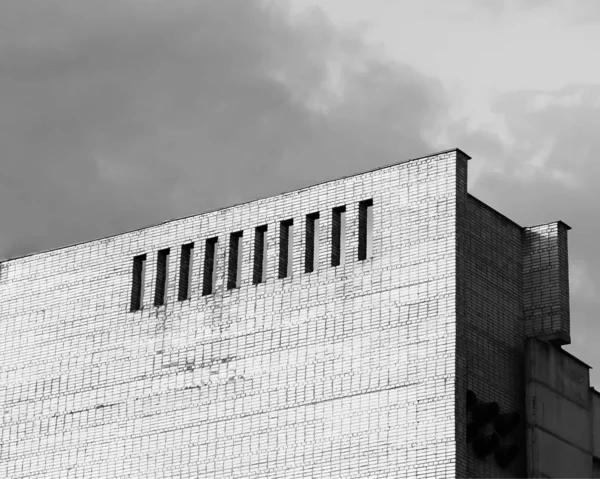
point(311, 256)
point(234, 269)
point(162, 273)
point(365, 229)
point(286, 250)
point(137, 286)
point(260, 255)
point(338, 236)
point(210, 266)
point(185, 271)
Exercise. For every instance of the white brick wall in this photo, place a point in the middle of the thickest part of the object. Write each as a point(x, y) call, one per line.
point(340, 373)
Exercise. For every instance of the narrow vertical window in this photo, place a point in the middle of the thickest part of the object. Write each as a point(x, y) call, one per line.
point(137, 287)
point(338, 235)
point(286, 238)
point(185, 271)
point(311, 256)
point(290, 263)
point(208, 280)
point(162, 273)
point(260, 255)
point(365, 229)
point(234, 268)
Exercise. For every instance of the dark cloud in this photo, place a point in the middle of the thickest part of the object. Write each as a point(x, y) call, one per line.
point(558, 132)
point(119, 114)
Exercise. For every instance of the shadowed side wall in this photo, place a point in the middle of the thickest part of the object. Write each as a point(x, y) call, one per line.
point(490, 329)
point(347, 371)
point(560, 413)
point(595, 402)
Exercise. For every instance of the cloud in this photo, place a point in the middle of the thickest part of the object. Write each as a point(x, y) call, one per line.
point(582, 282)
point(119, 114)
point(546, 170)
point(578, 13)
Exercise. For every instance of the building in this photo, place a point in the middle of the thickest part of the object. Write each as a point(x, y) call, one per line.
point(387, 324)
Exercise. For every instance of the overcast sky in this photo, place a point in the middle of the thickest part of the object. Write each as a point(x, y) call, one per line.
point(116, 114)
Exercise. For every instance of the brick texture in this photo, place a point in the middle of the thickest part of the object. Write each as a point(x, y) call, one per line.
point(345, 372)
point(546, 282)
point(491, 345)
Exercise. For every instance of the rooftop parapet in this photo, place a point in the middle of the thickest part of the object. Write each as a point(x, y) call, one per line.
point(546, 282)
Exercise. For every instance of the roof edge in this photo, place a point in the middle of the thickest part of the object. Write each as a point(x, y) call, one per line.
point(575, 358)
point(495, 210)
point(458, 151)
point(559, 222)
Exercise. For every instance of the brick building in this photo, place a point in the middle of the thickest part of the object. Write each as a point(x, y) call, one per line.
point(387, 324)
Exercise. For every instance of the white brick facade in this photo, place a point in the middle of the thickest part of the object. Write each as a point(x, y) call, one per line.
point(346, 372)
point(360, 370)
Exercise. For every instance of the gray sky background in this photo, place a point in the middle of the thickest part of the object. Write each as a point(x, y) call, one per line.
point(123, 113)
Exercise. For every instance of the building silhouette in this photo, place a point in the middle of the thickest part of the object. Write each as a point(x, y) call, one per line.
point(384, 325)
